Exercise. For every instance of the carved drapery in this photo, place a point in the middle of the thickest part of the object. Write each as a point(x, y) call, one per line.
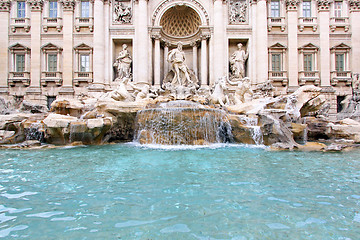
point(122, 12)
point(68, 5)
point(4, 5)
point(35, 5)
point(238, 11)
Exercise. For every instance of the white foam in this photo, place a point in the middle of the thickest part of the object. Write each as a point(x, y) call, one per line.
point(18, 195)
point(5, 232)
point(45, 214)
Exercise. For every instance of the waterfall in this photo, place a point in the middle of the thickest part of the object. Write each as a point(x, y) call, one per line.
point(35, 131)
point(255, 130)
point(182, 123)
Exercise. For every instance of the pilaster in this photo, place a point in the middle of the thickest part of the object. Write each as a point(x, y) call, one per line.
point(204, 60)
point(262, 42)
point(4, 43)
point(194, 53)
point(33, 93)
point(292, 16)
point(324, 23)
point(355, 37)
point(218, 43)
point(68, 26)
point(157, 68)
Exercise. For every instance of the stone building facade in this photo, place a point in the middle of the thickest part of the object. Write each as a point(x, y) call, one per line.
point(61, 49)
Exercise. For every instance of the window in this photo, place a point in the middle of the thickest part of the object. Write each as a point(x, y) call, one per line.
point(337, 9)
point(339, 64)
point(84, 63)
point(20, 62)
point(85, 9)
point(50, 100)
point(276, 62)
point(275, 8)
point(306, 8)
point(52, 62)
point(308, 62)
point(21, 9)
point(53, 9)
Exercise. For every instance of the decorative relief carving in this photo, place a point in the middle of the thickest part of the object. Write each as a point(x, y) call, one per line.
point(122, 12)
point(354, 5)
point(323, 5)
point(164, 3)
point(292, 4)
point(238, 11)
point(35, 5)
point(68, 5)
point(4, 5)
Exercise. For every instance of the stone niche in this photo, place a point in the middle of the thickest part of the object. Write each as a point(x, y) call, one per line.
point(233, 47)
point(117, 47)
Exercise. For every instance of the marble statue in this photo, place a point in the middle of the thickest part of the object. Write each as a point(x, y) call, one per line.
point(219, 94)
point(237, 62)
point(120, 93)
point(123, 63)
point(237, 11)
point(181, 72)
point(243, 87)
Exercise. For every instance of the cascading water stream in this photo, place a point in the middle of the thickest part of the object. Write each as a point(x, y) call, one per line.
point(182, 123)
point(255, 130)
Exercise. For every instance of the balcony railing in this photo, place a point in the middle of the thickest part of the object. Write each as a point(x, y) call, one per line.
point(339, 22)
point(19, 77)
point(276, 22)
point(309, 76)
point(52, 23)
point(51, 77)
point(278, 77)
point(81, 22)
point(308, 22)
point(20, 23)
point(83, 77)
point(341, 76)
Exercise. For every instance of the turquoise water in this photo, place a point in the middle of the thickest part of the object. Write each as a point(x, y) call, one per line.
point(223, 192)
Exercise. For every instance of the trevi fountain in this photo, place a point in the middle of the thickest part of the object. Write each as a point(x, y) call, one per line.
point(181, 161)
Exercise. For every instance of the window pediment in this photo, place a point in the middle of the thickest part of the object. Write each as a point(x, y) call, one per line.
point(341, 46)
point(50, 46)
point(19, 47)
point(309, 46)
point(278, 46)
point(83, 47)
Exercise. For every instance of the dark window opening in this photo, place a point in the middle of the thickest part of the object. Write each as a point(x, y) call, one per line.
point(339, 99)
point(50, 100)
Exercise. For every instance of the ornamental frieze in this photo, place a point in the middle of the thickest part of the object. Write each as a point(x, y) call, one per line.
point(35, 5)
point(323, 5)
point(4, 5)
point(354, 5)
point(292, 4)
point(68, 5)
point(238, 11)
point(122, 12)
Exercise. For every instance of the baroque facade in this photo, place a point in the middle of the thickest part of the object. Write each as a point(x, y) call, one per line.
point(62, 49)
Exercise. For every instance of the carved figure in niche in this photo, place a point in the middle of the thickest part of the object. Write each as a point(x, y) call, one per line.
point(237, 12)
point(122, 13)
point(123, 63)
point(243, 88)
point(237, 62)
point(177, 59)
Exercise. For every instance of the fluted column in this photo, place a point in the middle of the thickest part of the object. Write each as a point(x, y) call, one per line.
point(141, 64)
point(194, 52)
point(292, 16)
point(4, 43)
point(68, 26)
point(166, 53)
point(218, 46)
point(99, 47)
point(262, 42)
point(204, 61)
point(324, 22)
point(157, 60)
point(355, 37)
point(34, 90)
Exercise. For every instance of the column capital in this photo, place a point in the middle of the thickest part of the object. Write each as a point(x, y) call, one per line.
point(35, 5)
point(68, 5)
point(354, 5)
point(194, 44)
point(323, 5)
point(5, 5)
point(292, 5)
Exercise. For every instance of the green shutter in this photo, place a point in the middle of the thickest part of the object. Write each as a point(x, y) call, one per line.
point(52, 63)
point(20, 63)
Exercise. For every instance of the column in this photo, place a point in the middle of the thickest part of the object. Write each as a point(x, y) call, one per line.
point(68, 26)
point(355, 37)
point(194, 46)
point(324, 23)
point(157, 61)
point(99, 48)
point(166, 63)
point(262, 42)
point(252, 55)
point(33, 93)
point(141, 42)
point(107, 62)
point(204, 63)
point(4, 43)
point(292, 16)
point(218, 46)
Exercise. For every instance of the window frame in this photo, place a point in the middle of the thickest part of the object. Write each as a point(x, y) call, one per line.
point(53, 10)
point(307, 9)
point(22, 67)
point(338, 9)
point(52, 62)
point(20, 9)
point(308, 62)
point(85, 9)
point(275, 12)
point(86, 57)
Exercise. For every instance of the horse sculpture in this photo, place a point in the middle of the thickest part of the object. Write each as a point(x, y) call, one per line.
point(219, 96)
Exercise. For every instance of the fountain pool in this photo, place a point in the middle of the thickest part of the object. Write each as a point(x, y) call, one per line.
point(128, 191)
